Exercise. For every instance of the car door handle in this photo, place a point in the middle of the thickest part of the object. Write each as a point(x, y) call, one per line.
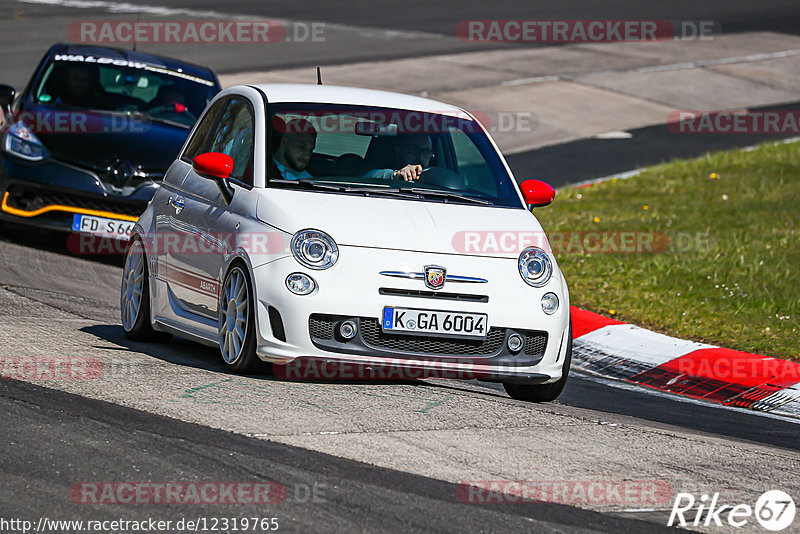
point(177, 203)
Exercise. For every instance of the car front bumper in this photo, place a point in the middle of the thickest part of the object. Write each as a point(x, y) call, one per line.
point(49, 193)
point(292, 328)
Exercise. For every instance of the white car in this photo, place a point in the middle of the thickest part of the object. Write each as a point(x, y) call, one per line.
point(356, 227)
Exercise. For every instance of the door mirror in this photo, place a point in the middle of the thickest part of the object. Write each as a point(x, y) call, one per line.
point(537, 193)
point(218, 166)
point(214, 165)
point(6, 96)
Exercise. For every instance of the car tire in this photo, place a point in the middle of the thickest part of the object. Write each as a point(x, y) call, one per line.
point(543, 392)
point(236, 328)
point(135, 313)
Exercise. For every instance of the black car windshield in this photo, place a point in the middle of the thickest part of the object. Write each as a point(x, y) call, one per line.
point(124, 86)
point(402, 154)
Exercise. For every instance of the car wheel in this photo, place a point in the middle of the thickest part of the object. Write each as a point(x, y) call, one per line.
point(543, 392)
point(134, 301)
point(237, 321)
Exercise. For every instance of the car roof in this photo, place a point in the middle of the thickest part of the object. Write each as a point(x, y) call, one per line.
point(129, 55)
point(337, 94)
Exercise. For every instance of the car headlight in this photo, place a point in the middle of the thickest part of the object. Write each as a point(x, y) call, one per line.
point(535, 266)
point(21, 142)
point(314, 249)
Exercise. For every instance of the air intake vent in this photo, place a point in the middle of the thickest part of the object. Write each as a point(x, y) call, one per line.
point(277, 324)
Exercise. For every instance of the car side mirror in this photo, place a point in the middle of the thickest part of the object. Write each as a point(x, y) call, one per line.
point(6, 95)
point(536, 193)
point(6, 98)
point(217, 166)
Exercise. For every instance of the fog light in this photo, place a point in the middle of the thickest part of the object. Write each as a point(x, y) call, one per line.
point(549, 303)
point(514, 342)
point(348, 330)
point(300, 284)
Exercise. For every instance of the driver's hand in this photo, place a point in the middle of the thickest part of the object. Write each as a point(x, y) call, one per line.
point(409, 173)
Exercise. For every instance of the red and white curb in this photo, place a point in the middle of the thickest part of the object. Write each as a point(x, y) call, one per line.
point(612, 349)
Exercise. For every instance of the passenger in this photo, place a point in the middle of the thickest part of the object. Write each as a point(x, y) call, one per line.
point(412, 154)
point(294, 149)
point(169, 97)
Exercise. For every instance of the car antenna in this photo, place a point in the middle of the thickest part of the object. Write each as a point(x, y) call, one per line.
point(138, 16)
point(319, 76)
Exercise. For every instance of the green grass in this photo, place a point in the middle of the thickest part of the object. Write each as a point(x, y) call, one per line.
point(738, 286)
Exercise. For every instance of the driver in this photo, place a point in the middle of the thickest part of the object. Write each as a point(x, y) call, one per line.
point(81, 86)
point(294, 149)
point(412, 154)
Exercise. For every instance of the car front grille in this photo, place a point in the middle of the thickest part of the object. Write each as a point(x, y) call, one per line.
point(321, 327)
point(32, 199)
point(393, 292)
point(375, 337)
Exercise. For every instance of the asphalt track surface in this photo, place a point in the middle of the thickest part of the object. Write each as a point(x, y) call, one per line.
point(51, 438)
point(323, 493)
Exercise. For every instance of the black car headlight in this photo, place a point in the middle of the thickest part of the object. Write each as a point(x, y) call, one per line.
point(314, 249)
point(22, 142)
point(535, 266)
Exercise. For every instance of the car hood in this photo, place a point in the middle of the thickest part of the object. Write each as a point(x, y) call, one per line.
point(94, 138)
point(399, 224)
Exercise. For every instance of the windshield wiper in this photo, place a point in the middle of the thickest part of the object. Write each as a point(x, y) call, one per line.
point(151, 118)
point(327, 186)
point(395, 192)
point(445, 195)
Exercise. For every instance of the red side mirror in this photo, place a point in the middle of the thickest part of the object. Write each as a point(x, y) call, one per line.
point(214, 164)
point(537, 193)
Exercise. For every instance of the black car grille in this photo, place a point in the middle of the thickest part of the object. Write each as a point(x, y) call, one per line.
point(321, 327)
point(102, 171)
point(432, 294)
point(374, 336)
point(32, 200)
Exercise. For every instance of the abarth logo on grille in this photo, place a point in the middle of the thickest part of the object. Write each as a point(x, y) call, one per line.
point(435, 276)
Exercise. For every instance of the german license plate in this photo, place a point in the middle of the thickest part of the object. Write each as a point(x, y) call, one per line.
point(101, 226)
point(434, 322)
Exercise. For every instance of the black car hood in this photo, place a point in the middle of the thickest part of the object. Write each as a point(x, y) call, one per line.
point(95, 138)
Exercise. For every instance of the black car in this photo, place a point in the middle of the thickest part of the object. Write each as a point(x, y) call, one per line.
point(86, 143)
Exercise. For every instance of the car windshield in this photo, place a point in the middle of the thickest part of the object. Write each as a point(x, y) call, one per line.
point(440, 157)
point(139, 88)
